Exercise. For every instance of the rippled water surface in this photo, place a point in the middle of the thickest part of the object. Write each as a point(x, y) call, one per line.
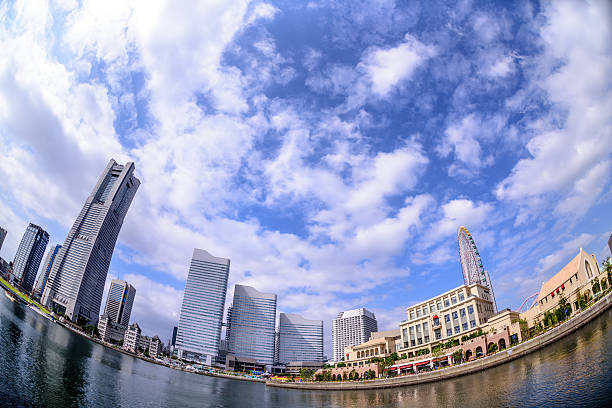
point(43, 364)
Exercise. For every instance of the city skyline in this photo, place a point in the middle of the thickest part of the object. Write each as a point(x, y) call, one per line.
point(333, 169)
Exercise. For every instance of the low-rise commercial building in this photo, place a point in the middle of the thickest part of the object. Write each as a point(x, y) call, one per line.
point(132, 335)
point(448, 316)
point(155, 347)
point(110, 331)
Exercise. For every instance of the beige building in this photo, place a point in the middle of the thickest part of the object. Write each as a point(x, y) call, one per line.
point(447, 316)
point(155, 347)
point(578, 275)
point(132, 336)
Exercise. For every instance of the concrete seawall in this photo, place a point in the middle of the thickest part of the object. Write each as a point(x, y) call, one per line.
point(501, 357)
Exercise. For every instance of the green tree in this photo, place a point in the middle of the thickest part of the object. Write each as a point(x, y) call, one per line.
point(492, 348)
point(458, 356)
point(340, 365)
point(596, 287)
point(306, 373)
point(524, 327)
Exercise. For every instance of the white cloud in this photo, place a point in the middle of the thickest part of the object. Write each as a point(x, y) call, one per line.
point(387, 67)
point(569, 249)
point(577, 36)
point(456, 213)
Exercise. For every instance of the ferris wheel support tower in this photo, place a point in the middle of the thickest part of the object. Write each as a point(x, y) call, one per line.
point(473, 271)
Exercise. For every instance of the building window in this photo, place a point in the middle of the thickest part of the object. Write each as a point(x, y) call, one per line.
point(411, 315)
point(405, 334)
point(588, 269)
point(461, 296)
point(464, 326)
point(426, 331)
point(472, 323)
point(439, 305)
point(425, 310)
point(454, 300)
point(457, 330)
point(471, 309)
point(438, 334)
point(446, 304)
point(455, 316)
point(449, 332)
point(418, 312)
point(436, 321)
point(447, 318)
point(462, 312)
point(432, 307)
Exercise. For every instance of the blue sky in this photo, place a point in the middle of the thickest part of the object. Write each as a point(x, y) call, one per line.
point(329, 149)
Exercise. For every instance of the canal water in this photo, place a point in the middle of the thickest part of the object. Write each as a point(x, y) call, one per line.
point(45, 365)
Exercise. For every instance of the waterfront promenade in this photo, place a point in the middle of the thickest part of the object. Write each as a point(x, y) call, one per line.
point(546, 338)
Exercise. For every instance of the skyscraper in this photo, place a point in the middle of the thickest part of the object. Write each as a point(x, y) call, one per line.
point(46, 269)
point(2, 236)
point(471, 263)
point(351, 328)
point(28, 256)
point(252, 325)
point(119, 302)
point(76, 282)
point(199, 327)
point(299, 339)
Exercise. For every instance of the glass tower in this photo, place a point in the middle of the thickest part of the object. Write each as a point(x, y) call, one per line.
point(28, 256)
point(76, 281)
point(46, 269)
point(299, 339)
point(119, 302)
point(199, 328)
point(252, 325)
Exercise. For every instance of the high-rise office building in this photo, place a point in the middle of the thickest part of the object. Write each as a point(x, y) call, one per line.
point(28, 256)
point(299, 339)
point(610, 243)
point(2, 236)
point(351, 328)
point(199, 327)
point(46, 269)
point(252, 325)
point(76, 282)
point(119, 302)
point(173, 341)
point(471, 263)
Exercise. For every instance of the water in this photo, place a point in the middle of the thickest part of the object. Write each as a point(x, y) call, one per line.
point(43, 364)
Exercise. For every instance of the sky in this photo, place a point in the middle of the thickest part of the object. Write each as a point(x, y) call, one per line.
point(330, 149)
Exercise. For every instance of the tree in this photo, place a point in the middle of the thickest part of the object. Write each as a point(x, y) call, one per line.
point(306, 373)
point(492, 348)
point(596, 287)
point(563, 310)
point(340, 365)
point(524, 327)
point(404, 356)
point(457, 356)
point(371, 374)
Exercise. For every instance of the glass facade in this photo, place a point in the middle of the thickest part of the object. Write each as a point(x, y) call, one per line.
point(199, 327)
point(252, 325)
point(119, 302)
point(76, 282)
point(29, 255)
point(299, 339)
point(44, 274)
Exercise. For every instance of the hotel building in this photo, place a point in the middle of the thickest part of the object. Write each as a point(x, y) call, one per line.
point(351, 328)
point(251, 325)
point(299, 339)
point(199, 328)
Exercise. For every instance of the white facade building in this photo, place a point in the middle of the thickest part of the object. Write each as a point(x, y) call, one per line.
point(201, 317)
point(351, 328)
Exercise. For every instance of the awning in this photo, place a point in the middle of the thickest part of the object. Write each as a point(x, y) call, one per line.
point(421, 363)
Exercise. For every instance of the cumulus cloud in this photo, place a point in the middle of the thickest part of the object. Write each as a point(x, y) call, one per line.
point(566, 154)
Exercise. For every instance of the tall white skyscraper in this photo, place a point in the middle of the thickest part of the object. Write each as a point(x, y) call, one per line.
point(76, 282)
point(351, 328)
point(199, 328)
point(252, 325)
point(119, 302)
point(299, 339)
point(29, 254)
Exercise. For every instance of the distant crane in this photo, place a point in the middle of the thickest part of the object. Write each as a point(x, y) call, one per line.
point(535, 299)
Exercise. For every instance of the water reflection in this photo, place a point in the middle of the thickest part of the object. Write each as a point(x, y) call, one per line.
point(43, 364)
